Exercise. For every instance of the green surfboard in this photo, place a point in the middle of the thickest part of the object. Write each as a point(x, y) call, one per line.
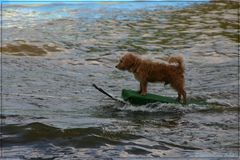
point(136, 99)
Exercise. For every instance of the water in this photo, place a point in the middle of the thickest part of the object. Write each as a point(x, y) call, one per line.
point(52, 53)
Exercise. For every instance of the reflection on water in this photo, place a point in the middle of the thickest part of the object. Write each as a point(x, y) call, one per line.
point(52, 53)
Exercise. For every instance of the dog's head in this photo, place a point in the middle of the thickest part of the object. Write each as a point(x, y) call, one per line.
point(127, 62)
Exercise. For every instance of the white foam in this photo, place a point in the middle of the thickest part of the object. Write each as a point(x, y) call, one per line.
point(221, 102)
point(155, 107)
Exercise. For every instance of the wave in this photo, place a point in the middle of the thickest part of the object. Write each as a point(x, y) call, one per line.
point(39, 135)
point(77, 137)
point(23, 48)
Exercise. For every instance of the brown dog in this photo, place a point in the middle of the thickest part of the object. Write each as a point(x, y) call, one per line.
point(147, 71)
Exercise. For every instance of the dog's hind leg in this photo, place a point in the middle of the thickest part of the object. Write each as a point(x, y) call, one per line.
point(179, 87)
point(184, 96)
point(182, 93)
point(179, 97)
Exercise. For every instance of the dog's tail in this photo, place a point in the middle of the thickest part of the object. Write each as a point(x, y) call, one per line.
point(179, 60)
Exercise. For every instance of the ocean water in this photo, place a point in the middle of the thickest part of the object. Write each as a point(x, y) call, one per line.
point(52, 53)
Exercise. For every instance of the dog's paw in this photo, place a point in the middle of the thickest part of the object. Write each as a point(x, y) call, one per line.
point(166, 83)
point(178, 100)
point(143, 93)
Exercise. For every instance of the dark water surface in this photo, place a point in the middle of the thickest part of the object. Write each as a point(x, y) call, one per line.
point(52, 53)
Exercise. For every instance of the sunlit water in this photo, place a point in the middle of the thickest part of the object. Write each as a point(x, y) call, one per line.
point(52, 53)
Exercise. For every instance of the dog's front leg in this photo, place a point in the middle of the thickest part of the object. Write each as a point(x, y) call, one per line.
point(140, 88)
point(143, 88)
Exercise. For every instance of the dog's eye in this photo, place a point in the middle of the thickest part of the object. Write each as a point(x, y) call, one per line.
point(121, 61)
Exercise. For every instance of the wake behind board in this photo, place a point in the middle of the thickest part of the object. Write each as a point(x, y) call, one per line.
point(135, 98)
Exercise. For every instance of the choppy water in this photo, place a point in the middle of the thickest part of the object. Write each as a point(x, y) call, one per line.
point(52, 53)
